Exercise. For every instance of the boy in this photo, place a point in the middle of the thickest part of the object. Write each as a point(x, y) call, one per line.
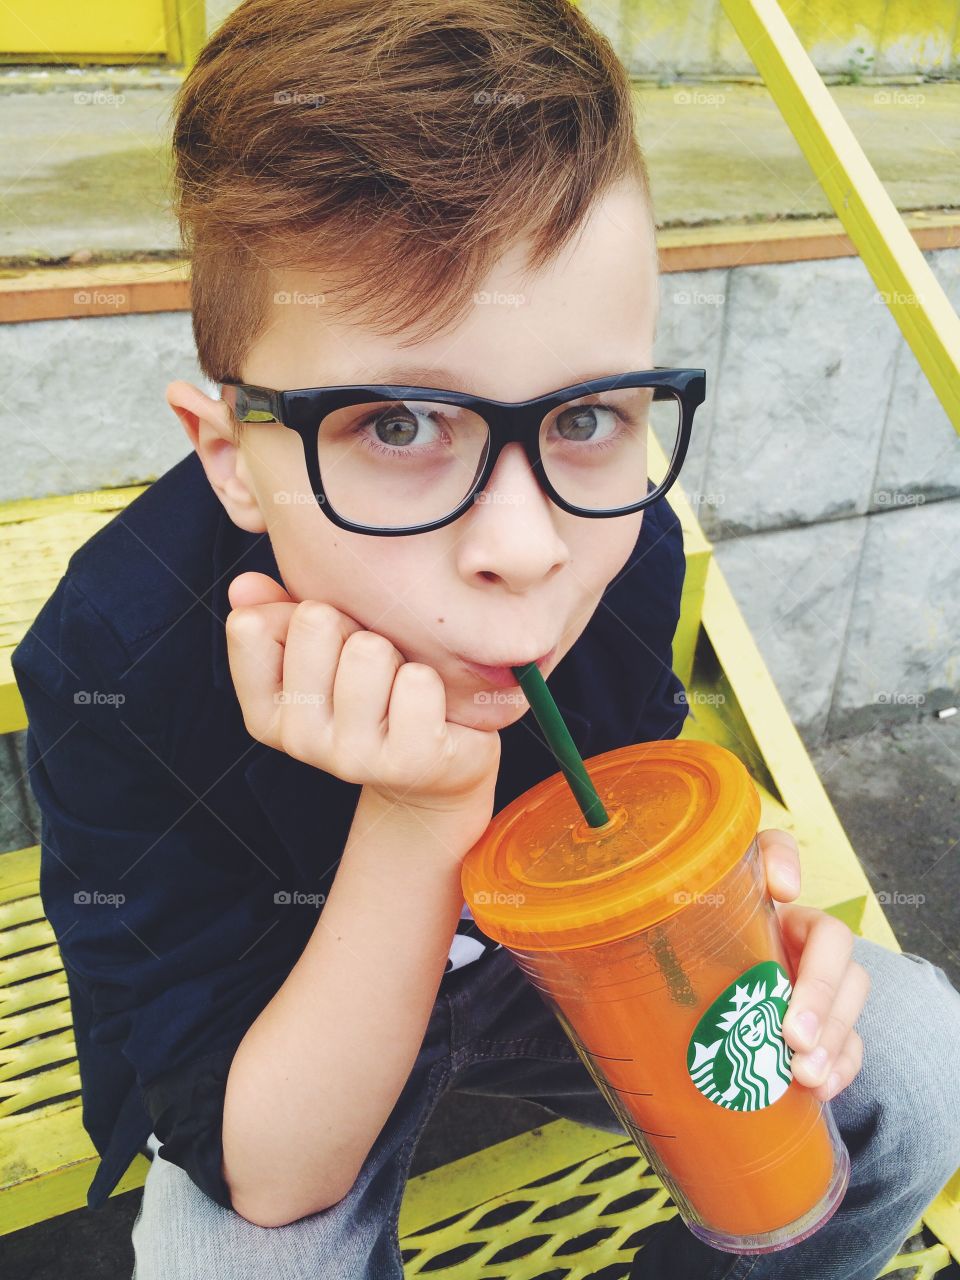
point(251, 854)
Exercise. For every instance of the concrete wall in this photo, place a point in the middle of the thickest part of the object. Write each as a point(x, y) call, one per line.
point(828, 476)
point(821, 465)
point(667, 38)
point(664, 38)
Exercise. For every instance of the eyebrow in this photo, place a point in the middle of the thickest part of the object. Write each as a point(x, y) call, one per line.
point(417, 376)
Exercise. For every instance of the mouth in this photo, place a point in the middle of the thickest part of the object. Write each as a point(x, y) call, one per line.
point(501, 676)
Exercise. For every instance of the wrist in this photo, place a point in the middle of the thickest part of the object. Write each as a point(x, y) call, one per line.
point(447, 829)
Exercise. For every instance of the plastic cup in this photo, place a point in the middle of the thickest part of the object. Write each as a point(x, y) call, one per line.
point(654, 941)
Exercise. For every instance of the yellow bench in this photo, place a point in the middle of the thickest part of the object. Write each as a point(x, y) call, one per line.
point(37, 538)
point(563, 1197)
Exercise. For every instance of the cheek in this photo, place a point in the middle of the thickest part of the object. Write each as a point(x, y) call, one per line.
point(602, 547)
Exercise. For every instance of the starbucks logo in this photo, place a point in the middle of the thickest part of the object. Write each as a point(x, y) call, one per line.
point(737, 1056)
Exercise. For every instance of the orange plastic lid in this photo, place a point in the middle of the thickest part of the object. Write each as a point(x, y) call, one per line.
point(682, 813)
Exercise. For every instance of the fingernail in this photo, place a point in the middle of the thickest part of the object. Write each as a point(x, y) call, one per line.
point(806, 1024)
point(817, 1060)
point(790, 876)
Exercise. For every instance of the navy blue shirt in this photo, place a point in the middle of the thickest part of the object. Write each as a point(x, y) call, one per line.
point(182, 861)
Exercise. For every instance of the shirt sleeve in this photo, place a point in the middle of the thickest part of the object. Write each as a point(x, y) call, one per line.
point(186, 1107)
point(164, 920)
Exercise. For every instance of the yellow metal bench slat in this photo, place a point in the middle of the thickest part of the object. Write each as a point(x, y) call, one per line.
point(37, 538)
point(595, 1197)
point(19, 1024)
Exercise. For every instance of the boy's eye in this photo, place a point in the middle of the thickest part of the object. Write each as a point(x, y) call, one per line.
point(401, 425)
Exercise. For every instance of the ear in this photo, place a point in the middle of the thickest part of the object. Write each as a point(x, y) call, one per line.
point(210, 429)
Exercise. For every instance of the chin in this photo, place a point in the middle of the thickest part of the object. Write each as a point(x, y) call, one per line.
point(488, 709)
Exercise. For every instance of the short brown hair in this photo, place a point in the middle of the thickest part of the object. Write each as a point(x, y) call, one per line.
point(399, 146)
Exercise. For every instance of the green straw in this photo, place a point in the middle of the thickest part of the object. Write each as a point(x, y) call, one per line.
point(560, 743)
point(570, 761)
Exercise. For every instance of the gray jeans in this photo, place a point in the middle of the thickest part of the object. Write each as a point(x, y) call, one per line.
point(491, 1033)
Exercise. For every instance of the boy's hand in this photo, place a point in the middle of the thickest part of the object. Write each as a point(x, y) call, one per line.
point(313, 683)
point(830, 983)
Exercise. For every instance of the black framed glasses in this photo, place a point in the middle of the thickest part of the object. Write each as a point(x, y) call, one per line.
point(390, 460)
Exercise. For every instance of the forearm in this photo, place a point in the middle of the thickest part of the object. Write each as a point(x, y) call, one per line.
point(319, 1071)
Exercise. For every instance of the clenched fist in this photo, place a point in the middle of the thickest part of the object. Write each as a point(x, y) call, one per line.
point(313, 683)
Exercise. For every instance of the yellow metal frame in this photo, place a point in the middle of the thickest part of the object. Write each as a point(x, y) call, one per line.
point(910, 289)
point(184, 23)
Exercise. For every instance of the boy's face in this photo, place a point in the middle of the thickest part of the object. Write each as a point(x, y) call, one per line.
point(515, 576)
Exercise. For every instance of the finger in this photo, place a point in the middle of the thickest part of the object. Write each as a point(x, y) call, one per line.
point(780, 855)
point(824, 945)
point(256, 588)
point(314, 641)
point(417, 717)
point(845, 1068)
point(812, 1068)
point(255, 638)
point(368, 666)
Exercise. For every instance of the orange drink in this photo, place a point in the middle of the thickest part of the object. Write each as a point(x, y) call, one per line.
point(654, 941)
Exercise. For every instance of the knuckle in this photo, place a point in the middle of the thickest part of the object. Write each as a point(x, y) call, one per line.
point(820, 986)
point(244, 624)
point(418, 671)
point(839, 933)
point(294, 739)
point(836, 1028)
point(369, 644)
point(314, 615)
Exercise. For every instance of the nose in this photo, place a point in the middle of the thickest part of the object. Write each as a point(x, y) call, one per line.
point(510, 535)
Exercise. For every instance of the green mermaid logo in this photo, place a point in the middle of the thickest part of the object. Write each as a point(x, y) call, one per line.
point(737, 1056)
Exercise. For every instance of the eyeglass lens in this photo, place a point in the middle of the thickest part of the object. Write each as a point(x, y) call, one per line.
point(398, 463)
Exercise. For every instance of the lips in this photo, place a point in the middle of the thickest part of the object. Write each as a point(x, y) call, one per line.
point(502, 677)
